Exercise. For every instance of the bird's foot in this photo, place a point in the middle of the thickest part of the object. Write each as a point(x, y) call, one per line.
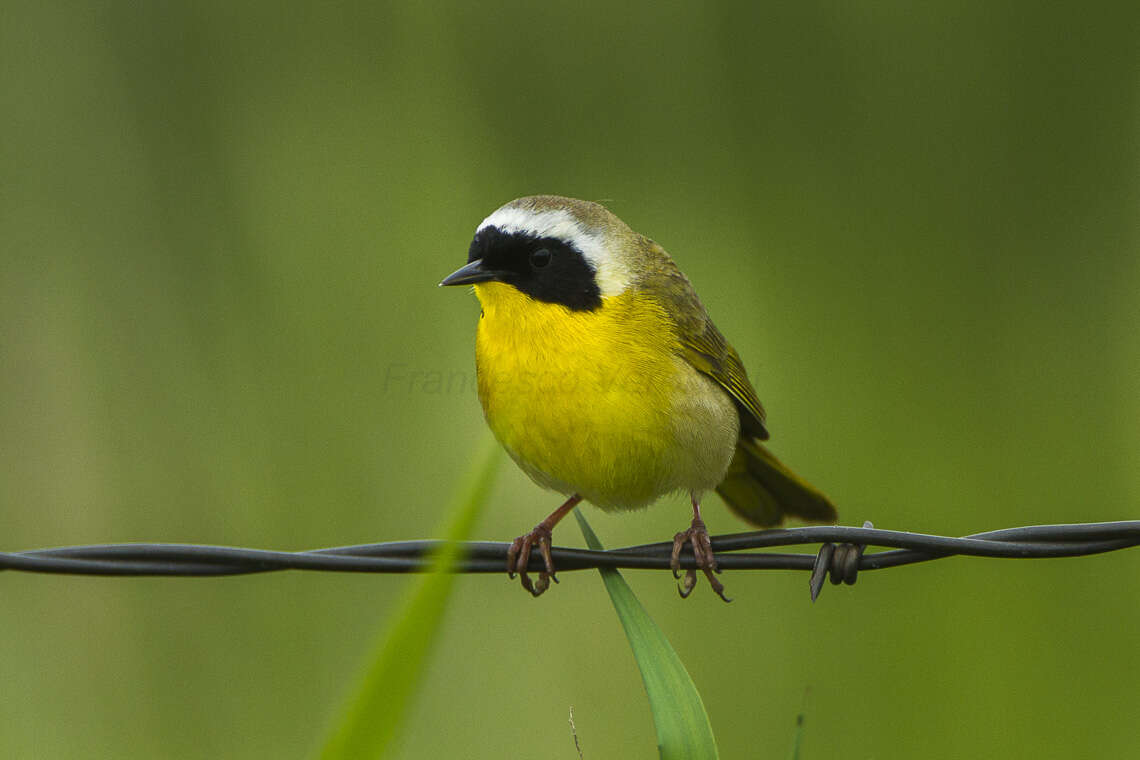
point(698, 536)
point(518, 558)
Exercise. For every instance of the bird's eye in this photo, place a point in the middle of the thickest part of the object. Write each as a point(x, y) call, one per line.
point(540, 258)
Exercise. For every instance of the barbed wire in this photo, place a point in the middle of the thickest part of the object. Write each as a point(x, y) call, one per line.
point(841, 556)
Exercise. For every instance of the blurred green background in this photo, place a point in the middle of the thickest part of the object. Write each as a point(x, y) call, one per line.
point(221, 229)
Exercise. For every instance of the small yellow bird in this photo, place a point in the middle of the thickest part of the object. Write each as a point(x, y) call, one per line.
point(603, 377)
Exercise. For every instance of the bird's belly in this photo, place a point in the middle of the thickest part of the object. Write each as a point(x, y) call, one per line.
point(578, 434)
point(611, 414)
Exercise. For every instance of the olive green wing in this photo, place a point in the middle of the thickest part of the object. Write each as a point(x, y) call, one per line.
point(711, 355)
point(757, 486)
point(702, 345)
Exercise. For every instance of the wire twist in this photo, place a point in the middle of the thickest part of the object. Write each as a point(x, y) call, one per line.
point(840, 562)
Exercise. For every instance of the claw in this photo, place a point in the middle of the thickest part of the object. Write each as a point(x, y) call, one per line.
point(686, 588)
point(548, 561)
point(698, 536)
point(518, 559)
point(518, 555)
point(675, 560)
point(717, 586)
point(512, 556)
point(542, 584)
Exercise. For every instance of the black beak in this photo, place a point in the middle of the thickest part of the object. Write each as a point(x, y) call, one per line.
point(470, 274)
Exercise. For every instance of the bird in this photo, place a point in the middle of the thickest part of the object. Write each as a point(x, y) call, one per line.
point(600, 372)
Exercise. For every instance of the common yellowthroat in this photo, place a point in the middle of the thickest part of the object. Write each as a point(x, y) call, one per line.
point(603, 377)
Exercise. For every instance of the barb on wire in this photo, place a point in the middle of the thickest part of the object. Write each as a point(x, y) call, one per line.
point(843, 562)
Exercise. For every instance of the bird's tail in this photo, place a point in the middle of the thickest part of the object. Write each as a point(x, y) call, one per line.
point(763, 491)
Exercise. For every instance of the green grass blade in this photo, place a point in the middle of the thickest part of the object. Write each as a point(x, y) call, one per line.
point(683, 729)
point(370, 720)
point(799, 737)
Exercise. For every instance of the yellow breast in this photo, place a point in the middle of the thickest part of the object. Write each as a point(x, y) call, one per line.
point(599, 402)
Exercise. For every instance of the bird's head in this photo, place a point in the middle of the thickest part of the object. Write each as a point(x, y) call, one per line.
point(552, 249)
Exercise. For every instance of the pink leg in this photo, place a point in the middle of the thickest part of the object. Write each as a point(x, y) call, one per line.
point(518, 556)
point(698, 536)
